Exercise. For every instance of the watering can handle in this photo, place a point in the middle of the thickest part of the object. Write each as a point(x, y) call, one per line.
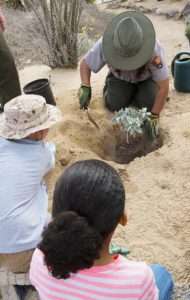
point(175, 58)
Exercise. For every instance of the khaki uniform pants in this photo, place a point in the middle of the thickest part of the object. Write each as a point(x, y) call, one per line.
point(17, 262)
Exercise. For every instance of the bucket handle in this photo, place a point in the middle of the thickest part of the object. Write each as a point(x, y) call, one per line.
point(177, 57)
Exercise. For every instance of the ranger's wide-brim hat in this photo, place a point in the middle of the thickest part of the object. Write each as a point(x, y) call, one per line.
point(27, 114)
point(129, 41)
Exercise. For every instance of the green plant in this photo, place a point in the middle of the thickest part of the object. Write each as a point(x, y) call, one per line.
point(131, 120)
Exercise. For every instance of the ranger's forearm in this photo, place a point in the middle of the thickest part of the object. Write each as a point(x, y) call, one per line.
point(85, 73)
point(163, 89)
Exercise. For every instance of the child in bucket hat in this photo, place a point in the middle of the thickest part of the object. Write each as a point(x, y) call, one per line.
point(24, 161)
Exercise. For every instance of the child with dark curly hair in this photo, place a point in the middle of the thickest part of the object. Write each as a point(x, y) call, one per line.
point(73, 261)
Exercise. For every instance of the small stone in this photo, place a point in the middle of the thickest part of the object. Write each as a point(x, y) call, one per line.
point(72, 151)
point(172, 13)
point(178, 45)
point(66, 158)
point(28, 61)
point(158, 11)
point(64, 161)
point(123, 172)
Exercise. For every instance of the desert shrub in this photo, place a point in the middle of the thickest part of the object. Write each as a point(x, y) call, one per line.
point(60, 21)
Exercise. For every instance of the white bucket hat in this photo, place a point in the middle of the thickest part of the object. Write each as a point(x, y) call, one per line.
point(27, 114)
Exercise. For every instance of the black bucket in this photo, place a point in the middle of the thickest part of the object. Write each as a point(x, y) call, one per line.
point(40, 87)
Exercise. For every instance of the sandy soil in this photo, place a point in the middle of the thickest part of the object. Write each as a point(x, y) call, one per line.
point(158, 187)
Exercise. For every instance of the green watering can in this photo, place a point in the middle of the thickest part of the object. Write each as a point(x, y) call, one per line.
point(180, 68)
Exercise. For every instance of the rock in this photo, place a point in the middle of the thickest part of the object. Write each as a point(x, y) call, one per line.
point(64, 161)
point(172, 13)
point(65, 157)
point(168, 13)
point(181, 292)
point(28, 61)
point(178, 45)
point(159, 11)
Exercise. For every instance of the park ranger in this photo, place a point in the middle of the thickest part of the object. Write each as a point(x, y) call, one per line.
point(138, 74)
point(9, 81)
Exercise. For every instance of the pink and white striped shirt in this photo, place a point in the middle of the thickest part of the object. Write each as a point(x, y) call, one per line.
point(120, 280)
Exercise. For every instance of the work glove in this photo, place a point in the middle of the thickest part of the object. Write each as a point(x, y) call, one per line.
point(85, 93)
point(152, 126)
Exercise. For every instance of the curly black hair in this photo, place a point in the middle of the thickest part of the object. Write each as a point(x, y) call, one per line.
point(89, 200)
point(62, 240)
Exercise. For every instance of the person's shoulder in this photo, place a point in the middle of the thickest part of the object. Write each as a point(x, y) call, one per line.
point(32, 147)
point(99, 41)
point(2, 141)
point(37, 257)
point(140, 268)
point(6, 144)
point(136, 264)
point(158, 47)
point(96, 47)
point(38, 146)
point(37, 265)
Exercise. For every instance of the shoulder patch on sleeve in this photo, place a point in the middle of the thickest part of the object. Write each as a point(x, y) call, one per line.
point(157, 62)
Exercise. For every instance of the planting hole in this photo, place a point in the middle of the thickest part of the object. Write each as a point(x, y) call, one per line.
point(116, 147)
point(120, 139)
point(132, 135)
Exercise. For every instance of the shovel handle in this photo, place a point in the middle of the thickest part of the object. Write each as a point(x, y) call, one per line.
point(91, 119)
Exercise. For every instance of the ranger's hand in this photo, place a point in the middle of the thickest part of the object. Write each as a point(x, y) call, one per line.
point(85, 93)
point(152, 126)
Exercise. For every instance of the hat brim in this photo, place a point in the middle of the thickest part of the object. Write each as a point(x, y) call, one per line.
point(114, 59)
point(54, 116)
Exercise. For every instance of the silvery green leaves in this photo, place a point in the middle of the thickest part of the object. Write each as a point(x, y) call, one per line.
point(131, 120)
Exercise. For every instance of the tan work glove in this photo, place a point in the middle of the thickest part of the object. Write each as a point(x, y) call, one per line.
point(152, 126)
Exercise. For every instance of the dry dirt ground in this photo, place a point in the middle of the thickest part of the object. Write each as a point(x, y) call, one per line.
point(158, 185)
